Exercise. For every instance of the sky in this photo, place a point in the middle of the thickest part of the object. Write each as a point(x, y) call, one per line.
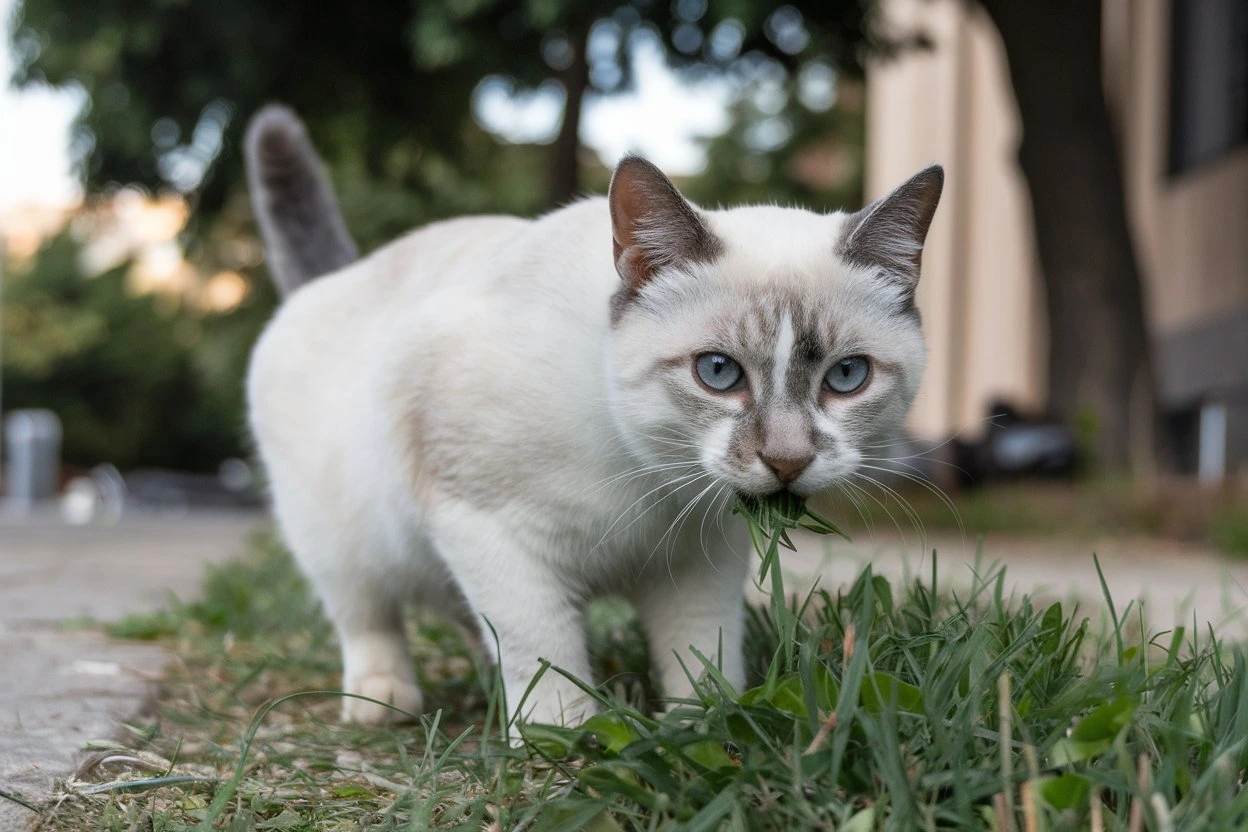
point(661, 118)
point(34, 137)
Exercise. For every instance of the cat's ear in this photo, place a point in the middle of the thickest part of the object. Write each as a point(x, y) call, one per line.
point(652, 225)
point(888, 235)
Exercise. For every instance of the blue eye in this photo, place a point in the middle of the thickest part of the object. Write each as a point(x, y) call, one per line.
point(848, 374)
point(719, 372)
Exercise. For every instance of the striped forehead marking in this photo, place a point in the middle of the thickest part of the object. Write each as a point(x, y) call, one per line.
point(781, 352)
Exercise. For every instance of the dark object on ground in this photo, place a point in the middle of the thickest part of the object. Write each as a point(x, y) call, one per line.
point(1015, 447)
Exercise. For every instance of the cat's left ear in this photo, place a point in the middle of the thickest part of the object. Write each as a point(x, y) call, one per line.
point(652, 225)
point(888, 235)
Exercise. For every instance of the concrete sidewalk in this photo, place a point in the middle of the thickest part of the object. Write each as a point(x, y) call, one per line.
point(60, 688)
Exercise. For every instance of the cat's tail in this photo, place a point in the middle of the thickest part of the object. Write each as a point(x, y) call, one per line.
point(304, 234)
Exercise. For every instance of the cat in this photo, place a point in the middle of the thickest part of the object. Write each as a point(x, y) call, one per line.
point(503, 418)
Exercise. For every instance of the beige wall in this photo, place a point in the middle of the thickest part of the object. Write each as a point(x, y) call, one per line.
point(980, 293)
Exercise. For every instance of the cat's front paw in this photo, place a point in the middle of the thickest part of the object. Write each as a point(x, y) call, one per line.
point(403, 694)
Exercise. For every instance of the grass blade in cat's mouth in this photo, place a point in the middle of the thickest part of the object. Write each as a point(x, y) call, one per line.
point(782, 503)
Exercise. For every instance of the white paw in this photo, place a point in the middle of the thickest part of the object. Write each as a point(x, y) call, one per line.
point(384, 687)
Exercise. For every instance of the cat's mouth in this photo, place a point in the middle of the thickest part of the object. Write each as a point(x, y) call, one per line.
point(776, 493)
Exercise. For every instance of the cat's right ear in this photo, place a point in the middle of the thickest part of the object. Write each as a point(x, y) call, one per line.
point(652, 225)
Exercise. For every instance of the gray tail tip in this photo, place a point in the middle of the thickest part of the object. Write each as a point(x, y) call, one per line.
point(274, 136)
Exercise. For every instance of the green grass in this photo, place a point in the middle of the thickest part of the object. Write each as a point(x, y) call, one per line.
point(880, 706)
point(1230, 531)
point(1087, 510)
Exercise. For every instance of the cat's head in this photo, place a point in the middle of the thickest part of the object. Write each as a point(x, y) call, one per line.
point(764, 348)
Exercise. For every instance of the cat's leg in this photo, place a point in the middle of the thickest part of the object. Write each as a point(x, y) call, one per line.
point(376, 661)
point(522, 598)
point(695, 599)
point(363, 593)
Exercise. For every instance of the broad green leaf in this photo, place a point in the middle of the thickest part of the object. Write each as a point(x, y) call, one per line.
point(1051, 630)
point(787, 694)
point(709, 754)
point(890, 689)
point(1067, 751)
point(613, 733)
point(610, 780)
point(1105, 721)
point(603, 823)
point(883, 593)
point(591, 817)
point(1065, 791)
point(827, 690)
point(550, 740)
point(863, 821)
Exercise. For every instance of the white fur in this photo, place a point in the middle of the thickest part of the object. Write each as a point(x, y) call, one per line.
point(782, 351)
point(454, 419)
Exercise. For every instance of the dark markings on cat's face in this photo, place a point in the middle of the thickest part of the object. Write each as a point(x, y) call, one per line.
point(785, 345)
point(787, 321)
point(785, 348)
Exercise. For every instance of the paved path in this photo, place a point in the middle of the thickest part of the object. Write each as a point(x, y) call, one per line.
point(60, 688)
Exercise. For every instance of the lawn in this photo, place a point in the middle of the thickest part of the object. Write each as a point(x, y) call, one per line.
point(875, 706)
point(1089, 509)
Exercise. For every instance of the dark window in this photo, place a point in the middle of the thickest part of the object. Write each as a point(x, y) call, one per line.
point(1208, 80)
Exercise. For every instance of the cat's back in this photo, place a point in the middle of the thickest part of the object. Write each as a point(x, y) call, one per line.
point(322, 339)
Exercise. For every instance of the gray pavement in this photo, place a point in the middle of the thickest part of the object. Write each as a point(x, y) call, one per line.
point(59, 687)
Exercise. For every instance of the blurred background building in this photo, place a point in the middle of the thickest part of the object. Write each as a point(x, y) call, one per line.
point(1176, 83)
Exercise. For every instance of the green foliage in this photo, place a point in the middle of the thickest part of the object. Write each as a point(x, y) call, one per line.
point(123, 371)
point(800, 155)
point(269, 596)
point(172, 84)
point(1230, 530)
point(930, 712)
point(386, 88)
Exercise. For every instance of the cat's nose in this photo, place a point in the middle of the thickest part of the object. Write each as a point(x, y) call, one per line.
point(785, 468)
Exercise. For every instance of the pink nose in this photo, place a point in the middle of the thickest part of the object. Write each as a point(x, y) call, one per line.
point(786, 469)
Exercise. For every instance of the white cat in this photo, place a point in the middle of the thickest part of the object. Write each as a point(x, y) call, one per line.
point(506, 417)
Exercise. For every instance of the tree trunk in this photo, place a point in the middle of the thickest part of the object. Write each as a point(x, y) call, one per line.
point(1100, 357)
point(565, 167)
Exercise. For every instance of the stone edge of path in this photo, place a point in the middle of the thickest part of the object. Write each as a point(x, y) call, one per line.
point(82, 687)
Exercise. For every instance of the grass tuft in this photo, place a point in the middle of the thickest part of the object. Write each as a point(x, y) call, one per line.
point(879, 706)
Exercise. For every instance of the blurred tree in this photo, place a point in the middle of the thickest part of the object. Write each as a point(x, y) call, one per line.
point(387, 92)
point(383, 86)
point(117, 367)
point(786, 147)
point(1101, 370)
